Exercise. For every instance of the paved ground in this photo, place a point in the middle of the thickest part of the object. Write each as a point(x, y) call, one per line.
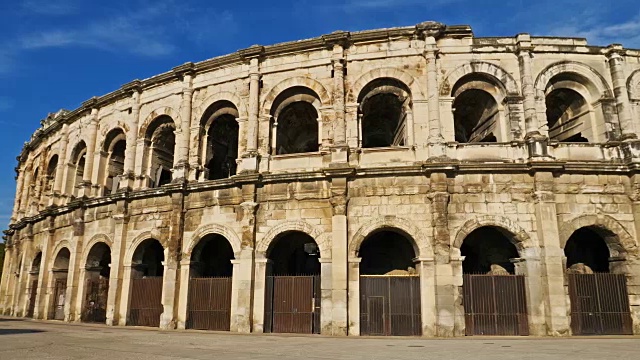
point(26, 339)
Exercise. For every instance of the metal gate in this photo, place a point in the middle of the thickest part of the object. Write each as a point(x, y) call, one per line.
point(95, 301)
point(32, 298)
point(495, 305)
point(599, 304)
point(390, 305)
point(209, 304)
point(292, 304)
point(146, 301)
point(57, 302)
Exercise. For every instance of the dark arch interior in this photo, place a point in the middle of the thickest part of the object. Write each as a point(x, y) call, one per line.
point(474, 117)
point(487, 246)
point(297, 130)
point(62, 259)
point(212, 257)
point(161, 135)
point(223, 147)
point(148, 258)
point(99, 260)
point(383, 113)
point(566, 111)
point(51, 172)
point(385, 251)
point(587, 246)
point(35, 264)
point(115, 167)
point(294, 253)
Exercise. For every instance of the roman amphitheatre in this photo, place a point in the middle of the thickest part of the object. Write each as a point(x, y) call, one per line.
point(414, 181)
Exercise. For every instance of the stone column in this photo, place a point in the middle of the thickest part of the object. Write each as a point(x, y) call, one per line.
point(552, 255)
point(60, 169)
point(169, 281)
point(249, 161)
point(448, 285)
point(40, 310)
point(260, 273)
point(436, 147)
point(181, 164)
point(125, 298)
point(19, 188)
point(4, 283)
point(23, 277)
point(91, 135)
point(339, 257)
point(627, 127)
point(274, 137)
point(326, 307)
point(171, 284)
point(241, 291)
point(26, 189)
point(183, 295)
point(428, 310)
point(76, 267)
point(354, 296)
point(118, 249)
point(141, 168)
point(131, 140)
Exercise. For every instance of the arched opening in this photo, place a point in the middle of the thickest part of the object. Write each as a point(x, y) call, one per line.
point(59, 271)
point(34, 271)
point(76, 171)
point(161, 141)
point(220, 141)
point(147, 269)
point(488, 250)
point(475, 109)
point(209, 303)
point(51, 174)
point(114, 148)
point(295, 121)
point(599, 297)
point(389, 285)
point(97, 272)
point(292, 294)
point(568, 112)
point(587, 251)
point(387, 252)
point(384, 106)
point(294, 253)
point(490, 286)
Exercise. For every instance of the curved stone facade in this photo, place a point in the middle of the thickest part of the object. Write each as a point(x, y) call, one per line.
point(425, 131)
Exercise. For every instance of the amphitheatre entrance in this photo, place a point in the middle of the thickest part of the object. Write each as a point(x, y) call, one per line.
point(292, 293)
point(209, 303)
point(97, 269)
point(599, 298)
point(146, 284)
point(389, 286)
point(493, 296)
point(60, 272)
point(33, 284)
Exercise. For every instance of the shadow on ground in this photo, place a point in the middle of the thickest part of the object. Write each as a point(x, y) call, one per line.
point(19, 331)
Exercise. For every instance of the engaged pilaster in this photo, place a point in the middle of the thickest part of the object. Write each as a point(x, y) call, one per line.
point(181, 164)
point(620, 91)
point(131, 136)
point(249, 160)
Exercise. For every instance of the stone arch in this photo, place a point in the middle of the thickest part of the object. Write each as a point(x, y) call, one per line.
point(138, 240)
point(159, 111)
point(617, 238)
point(98, 238)
point(419, 240)
point(323, 242)
point(59, 246)
point(633, 85)
point(199, 111)
point(498, 74)
point(519, 236)
point(209, 229)
point(597, 86)
point(316, 86)
point(386, 72)
point(111, 136)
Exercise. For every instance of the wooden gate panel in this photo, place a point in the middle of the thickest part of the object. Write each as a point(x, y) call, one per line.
point(146, 302)
point(599, 304)
point(292, 304)
point(57, 303)
point(495, 305)
point(33, 290)
point(390, 305)
point(209, 304)
point(95, 302)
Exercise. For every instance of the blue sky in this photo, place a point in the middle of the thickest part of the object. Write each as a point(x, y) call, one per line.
point(57, 54)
